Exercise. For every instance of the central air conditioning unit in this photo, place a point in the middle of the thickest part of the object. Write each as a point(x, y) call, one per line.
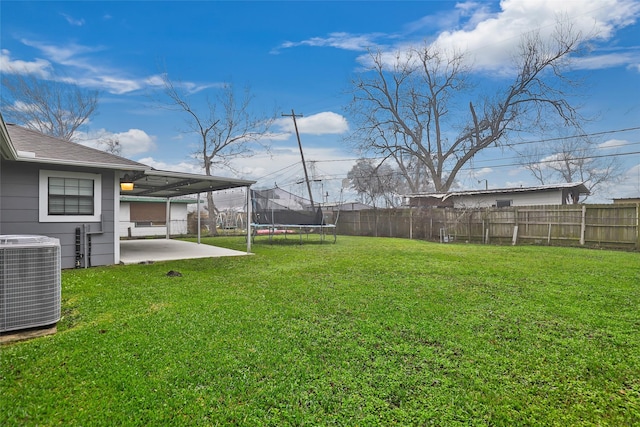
point(30, 285)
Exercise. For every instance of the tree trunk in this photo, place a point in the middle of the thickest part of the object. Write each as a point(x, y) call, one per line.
point(213, 215)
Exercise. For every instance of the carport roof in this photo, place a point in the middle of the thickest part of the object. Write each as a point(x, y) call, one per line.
point(157, 183)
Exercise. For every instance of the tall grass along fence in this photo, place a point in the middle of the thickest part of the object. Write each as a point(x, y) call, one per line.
point(611, 226)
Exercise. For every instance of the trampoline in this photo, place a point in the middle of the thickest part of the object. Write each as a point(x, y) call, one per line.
point(278, 212)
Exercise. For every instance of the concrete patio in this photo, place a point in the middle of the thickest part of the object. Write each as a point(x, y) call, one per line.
point(151, 250)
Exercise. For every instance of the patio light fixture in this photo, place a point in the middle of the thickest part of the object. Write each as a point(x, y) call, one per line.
point(126, 183)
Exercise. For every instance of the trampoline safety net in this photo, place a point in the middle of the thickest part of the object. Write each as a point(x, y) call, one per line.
point(277, 206)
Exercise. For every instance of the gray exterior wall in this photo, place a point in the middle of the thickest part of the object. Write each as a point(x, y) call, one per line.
point(19, 211)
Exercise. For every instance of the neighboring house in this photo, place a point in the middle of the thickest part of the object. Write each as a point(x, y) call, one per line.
point(147, 216)
point(345, 206)
point(557, 194)
point(71, 192)
point(626, 200)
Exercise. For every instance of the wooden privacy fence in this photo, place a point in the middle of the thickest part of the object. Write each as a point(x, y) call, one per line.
point(614, 226)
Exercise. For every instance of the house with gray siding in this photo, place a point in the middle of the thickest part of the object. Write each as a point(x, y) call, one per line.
point(71, 192)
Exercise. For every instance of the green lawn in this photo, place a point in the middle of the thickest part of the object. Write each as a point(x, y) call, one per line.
point(362, 332)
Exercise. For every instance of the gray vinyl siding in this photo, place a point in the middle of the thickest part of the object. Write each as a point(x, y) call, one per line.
point(19, 211)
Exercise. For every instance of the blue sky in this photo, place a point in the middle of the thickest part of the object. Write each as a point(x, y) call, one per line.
point(301, 55)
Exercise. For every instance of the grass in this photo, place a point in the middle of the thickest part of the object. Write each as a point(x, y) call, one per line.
point(364, 332)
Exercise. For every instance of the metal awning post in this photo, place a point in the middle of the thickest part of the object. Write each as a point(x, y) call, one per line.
point(168, 218)
point(198, 209)
point(248, 219)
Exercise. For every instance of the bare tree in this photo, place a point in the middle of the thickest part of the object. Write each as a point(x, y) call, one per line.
point(574, 159)
point(374, 183)
point(110, 144)
point(227, 130)
point(55, 107)
point(405, 111)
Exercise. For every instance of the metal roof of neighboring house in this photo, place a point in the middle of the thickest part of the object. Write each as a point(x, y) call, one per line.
point(579, 186)
point(627, 200)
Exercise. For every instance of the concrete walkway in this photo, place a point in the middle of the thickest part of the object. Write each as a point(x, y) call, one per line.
point(146, 250)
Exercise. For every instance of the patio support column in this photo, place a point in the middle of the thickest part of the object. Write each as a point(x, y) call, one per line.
point(168, 217)
point(249, 214)
point(198, 209)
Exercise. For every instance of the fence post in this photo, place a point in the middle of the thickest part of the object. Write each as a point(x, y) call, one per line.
point(430, 228)
point(583, 225)
point(410, 224)
point(637, 225)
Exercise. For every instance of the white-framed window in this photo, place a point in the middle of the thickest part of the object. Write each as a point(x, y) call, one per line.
point(70, 196)
point(503, 203)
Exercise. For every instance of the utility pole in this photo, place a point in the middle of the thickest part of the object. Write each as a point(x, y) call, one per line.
point(304, 165)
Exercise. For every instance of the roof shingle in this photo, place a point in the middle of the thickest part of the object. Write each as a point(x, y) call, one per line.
point(43, 148)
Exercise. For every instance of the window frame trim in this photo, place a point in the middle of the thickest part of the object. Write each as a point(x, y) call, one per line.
point(499, 201)
point(43, 196)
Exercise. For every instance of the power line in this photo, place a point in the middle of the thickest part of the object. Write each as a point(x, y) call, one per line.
point(279, 170)
point(516, 143)
point(555, 160)
point(485, 162)
point(398, 174)
point(584, 135)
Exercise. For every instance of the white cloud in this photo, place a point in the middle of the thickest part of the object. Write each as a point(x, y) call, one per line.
point(184, 166)
point(484, 171)
point(613, 143)
point(38, 67)
point(627, 187)
point(317, 124)
point(518, 184)
point(282, 167)
point(327, 167)
point(66, 55)
point(494, 37)
point(475, 178)
point(554, 161)
point(276, 136)
point(463, 15)
point(490, 38)
point(132, 142)
point(597, 62)
point(136, 141)
point(87, 70)
point(73, 21)
point(339, 40)
point(516, 171)
point(87, 75)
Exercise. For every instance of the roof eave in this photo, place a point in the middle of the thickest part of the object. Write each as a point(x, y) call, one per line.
point(95, 165)
point(7, 149)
